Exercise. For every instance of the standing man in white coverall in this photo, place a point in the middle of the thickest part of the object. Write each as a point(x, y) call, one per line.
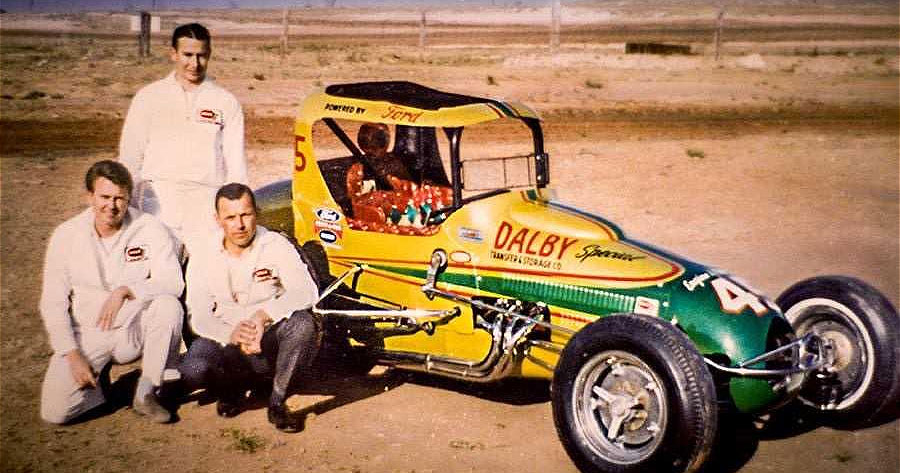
point(110, 292)
point(183, 138)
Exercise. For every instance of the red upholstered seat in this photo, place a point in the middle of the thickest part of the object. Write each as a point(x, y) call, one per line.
point(372, 209)
point(368, 212)
point(441, 196)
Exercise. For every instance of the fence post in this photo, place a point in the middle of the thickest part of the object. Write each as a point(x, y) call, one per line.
point(144, 36)
point(554, 26)
point(719, 21)
point(284, 33)
point(423, 32)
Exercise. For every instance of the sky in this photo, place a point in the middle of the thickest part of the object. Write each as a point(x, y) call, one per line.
point(131, 5)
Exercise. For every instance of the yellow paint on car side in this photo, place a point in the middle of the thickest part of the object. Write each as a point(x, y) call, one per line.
point(513, 236)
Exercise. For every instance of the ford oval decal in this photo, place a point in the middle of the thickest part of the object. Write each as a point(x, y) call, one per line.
point(328, 215)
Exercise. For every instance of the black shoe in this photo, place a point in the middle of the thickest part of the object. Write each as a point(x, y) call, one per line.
point(228, 408)
point(282, 419)
point(171, 394)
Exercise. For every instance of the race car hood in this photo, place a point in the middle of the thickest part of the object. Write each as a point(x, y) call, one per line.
point(523, 234)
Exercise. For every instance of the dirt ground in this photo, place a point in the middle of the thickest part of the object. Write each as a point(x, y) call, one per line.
point(778, 162)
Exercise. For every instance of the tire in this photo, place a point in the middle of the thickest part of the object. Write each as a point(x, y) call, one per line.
point(647, 363)
point(313, 254)
point(864, 329)
point(337, 357)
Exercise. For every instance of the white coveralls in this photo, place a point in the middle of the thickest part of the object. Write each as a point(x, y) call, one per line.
point(79, 275)
point(223, 290)
point(180, 147)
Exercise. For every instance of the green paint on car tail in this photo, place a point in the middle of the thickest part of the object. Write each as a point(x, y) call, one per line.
point(752, 395)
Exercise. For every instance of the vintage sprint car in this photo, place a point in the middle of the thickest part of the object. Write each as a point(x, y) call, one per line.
point(459, 262)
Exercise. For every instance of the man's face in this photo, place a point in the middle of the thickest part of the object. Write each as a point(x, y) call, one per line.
point(238, 219)
point(190, 58)
point(110, 203)
point(374, 140)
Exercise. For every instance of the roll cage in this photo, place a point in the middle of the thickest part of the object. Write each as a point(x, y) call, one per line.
point(417, 112)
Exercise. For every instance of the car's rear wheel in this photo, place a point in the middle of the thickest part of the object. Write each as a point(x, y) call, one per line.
point(632, 394)
point(862, 329)
point(337, 357)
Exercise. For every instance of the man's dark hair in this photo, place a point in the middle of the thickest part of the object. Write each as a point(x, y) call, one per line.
point(115, 171)
point(234, 191)
point(191, 30)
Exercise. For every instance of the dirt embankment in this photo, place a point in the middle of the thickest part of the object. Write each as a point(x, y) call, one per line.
point(32, 136)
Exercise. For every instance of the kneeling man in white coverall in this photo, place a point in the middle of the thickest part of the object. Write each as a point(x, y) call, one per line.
point(110, 293)
point(248, 294)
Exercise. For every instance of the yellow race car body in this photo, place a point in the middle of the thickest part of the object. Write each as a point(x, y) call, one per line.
point(457, 260)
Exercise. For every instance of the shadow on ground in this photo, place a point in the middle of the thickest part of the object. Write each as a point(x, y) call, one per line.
point(514, 391)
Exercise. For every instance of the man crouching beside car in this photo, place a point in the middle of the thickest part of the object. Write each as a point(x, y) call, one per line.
point(248, 293)
point(110, 293)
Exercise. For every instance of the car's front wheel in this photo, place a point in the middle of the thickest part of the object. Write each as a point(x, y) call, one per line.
point(862, 331)
point(632, 394)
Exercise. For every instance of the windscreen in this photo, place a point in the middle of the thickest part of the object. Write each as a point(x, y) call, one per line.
point(496, 155)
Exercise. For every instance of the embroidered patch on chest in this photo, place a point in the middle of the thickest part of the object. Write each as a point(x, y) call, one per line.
point(263, 275)
point(135, 253)
point(211, 116)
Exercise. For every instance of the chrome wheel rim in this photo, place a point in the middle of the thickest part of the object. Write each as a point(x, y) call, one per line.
point(620, 407)
point(848, 340)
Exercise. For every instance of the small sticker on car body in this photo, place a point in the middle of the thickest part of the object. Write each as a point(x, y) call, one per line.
point(471, 234)
point(328, 215)
point(328, 236)
point(646, 306)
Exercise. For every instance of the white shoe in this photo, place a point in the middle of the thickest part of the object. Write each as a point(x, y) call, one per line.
point(149, 406)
